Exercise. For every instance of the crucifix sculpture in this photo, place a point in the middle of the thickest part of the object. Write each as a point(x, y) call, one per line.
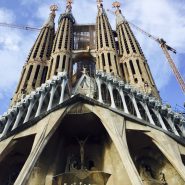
point(82, 151)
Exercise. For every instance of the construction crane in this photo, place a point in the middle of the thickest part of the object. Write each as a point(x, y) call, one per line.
point(19, 27)
point(165, 49)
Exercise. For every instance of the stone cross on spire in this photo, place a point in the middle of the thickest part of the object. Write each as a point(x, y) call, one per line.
point(99, 2)
point(50, 21)
point(53, 9)
point(117, 5)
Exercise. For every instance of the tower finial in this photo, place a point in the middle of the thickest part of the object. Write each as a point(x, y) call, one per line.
point(69, 5)
point(53, 8)
point(116, 4)
point(99, 2)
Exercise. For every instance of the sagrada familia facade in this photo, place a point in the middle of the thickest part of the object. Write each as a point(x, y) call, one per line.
point(86, 111)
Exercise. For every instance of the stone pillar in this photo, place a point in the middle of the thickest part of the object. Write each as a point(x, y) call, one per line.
point(43, 94)
point(63, 85)
point(98, 81)
point(111, 95)
point(52, 92)
point(148, 113)
point(21, 111)
point(173, 126)
point(7, 125)
point(136, 108)
point(123, 101)
point(30, 107)
point(160, 120)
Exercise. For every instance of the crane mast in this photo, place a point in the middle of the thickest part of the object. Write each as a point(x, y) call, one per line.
point(174, 68)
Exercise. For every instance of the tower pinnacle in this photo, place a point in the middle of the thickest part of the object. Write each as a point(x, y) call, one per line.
point(53, 9)
point(133, 64)
point(99, 2)
point(116, 4)
point(69, 6)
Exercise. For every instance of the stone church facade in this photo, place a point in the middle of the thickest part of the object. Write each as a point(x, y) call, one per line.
point(86, 111)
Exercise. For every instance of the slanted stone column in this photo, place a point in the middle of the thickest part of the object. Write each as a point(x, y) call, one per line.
point(136, 107)
point(123, 101)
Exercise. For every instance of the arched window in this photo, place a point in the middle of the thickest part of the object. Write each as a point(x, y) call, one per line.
point(35, 76)
point(57, 64)
point(137, 61)
point(64, 63)
point(132, 67)
point(109, 60)
point(103, 59)
point(44, 75)
point(28, 76)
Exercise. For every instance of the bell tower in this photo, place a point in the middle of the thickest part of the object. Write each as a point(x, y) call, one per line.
point(35, 70)
point(133, 64)
point(63, 44)
point(107, 58)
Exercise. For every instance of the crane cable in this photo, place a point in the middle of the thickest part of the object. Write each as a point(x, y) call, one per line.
point(19, 27)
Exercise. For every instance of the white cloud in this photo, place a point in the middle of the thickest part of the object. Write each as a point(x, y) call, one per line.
point(6, 15)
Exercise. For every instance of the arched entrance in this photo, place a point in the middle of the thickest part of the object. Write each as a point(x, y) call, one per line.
point(80, 151)
point(12, 163)
point(152, 165)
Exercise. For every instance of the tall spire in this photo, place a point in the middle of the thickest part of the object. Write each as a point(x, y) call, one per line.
point(107, 58)
point(61, 53)
point(35, 70)
point(133, 64)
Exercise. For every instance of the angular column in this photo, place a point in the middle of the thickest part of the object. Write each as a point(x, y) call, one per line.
point(52, 92)
point(123, 101)
point(63, 86)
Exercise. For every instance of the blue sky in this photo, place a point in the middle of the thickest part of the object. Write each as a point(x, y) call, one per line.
point(163, 18)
